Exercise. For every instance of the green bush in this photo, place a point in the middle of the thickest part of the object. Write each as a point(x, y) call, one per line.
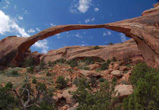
point(100, 100)
point(146, 89)
point(31, 69)
point(96, 47)
point(73, 63)
point(61, 82)
point(34, 81)
point(42, 65)
point(12, 73)
point(104, 66)
point(102, 79)
point(48, 74)
point(59, 61)
point(138, 72)
point(6, 98)
point(114, 59)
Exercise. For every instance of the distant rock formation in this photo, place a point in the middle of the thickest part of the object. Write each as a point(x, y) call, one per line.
point(144, 30)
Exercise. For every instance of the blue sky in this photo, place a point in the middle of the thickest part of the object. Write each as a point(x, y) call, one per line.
point(27, 17)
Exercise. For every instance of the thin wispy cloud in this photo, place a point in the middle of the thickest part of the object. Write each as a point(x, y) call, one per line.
point(31, 30)
point(89, 20)
point(96, 9)
point(108, 33)
point(122, 37)
point(37, 29)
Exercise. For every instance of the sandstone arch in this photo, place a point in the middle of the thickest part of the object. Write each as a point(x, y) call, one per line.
point(144, 30)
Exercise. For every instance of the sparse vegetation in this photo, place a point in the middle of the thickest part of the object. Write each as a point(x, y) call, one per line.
point(61, 82)
point(73, 63)
point(12, 73)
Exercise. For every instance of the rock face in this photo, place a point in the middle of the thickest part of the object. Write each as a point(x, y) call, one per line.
point(144, 30)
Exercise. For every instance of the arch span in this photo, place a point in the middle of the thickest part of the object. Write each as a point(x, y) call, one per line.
point(144, 30)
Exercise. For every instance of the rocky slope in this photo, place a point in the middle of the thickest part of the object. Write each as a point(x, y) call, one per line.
point(144, 30)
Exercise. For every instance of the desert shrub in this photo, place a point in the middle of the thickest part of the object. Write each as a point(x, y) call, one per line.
point(89, 60)
point(102, 79)
point(93, 81)
point(48, 74)
point(44, 105)
point(50, 63)
point(42, 65)
point(96, 47)
point(114, 59)
point(70, 70)
point(110, 43)
point(30, 69)
point(6, 98)
point(104, 66)
point(61, 82)
point(9, 85)
point(12, 73)
point(100, 100)
point(138, 72)
point(59, 61)
point(29, 61)
point(146, 89)
point(73, 63)
point(34, 81)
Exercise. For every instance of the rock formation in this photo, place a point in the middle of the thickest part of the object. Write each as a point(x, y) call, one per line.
point(122, 51)
point(144, 30)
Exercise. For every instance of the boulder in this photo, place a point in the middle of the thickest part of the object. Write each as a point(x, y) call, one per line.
point(66, 94)
point(94, 66)
point(123, 90)
point(88, 73)
point(117, 73)
point(123, 68)
point(116, 66)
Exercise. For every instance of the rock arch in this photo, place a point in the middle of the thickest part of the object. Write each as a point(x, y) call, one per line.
point(144, 30)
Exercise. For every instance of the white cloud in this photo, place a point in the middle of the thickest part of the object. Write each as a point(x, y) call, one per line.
point(9, 25)
point(20, 17)
point(43, 44)
point(89, 20)
point(107, 33)
point(84, 5)
point(96, 9)
point(122, 37)
point(31, 30)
